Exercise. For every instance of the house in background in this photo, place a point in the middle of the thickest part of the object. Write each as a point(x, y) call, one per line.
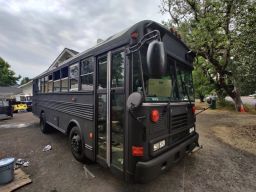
point(63, 56)
point(9, 92)
point(27, 89)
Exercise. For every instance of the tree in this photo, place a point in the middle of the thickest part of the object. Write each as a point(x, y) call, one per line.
point(24, 80)
point(202, 85)
point(244, 55)
point(7, 76)
point(213, 29)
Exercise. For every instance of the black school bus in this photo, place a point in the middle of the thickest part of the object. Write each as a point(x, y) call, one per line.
point(127, 103)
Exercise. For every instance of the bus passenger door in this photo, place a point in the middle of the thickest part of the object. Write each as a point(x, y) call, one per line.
point(111, 103)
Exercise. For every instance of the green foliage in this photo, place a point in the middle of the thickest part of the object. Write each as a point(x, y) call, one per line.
point(24, 80)
point(222, 33)
point(244, 55)
point(7, 76)
point(202, 85)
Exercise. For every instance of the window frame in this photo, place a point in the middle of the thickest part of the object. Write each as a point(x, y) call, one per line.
point(64, 78)
point(103, 56)
point(78, 77)
point(87, 74)
point(55, 80)
point(118, 51)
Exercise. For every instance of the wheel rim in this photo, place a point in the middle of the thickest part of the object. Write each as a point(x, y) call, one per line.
point(76, 143)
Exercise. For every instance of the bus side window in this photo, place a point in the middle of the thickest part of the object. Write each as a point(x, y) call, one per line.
point(37, 86)
point(64, 79)
point(86, 75)
point(41, 85)
point(56, 81)
point(117, 73)
point(137, 84)
point(102, 76)
point(73, 77)
point(49, 84)
point(46, 79)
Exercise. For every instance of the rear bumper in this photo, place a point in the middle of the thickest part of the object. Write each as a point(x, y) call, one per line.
point(146, 171)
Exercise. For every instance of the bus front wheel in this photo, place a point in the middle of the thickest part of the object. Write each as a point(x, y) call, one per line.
point(76, 144)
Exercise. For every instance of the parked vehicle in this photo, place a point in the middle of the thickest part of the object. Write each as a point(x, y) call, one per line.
point(253, 95)
point(19, 107)
point(127, 103)
point(5, 109)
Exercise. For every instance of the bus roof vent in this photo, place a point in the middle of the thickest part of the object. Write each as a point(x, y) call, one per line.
point(99, 40)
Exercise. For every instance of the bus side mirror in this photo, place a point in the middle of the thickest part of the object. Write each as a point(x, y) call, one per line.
point(134, 100)
point(156, 59)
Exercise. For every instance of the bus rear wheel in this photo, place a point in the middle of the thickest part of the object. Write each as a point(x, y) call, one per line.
point(44, 127)
point(77, 144)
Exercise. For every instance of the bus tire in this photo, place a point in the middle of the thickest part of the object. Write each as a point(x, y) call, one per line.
point(77, 144)
point(44, 127)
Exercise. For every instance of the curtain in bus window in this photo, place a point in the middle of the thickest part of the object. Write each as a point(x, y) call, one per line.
point(73, 77)
point(87, 74)
point(117, 73)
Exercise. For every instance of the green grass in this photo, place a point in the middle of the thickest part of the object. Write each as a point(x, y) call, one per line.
point(228, 105)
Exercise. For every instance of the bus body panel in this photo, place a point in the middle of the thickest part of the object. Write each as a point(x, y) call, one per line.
point(60, 110)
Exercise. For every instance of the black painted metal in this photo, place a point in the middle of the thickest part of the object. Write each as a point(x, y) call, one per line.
point(63, 109)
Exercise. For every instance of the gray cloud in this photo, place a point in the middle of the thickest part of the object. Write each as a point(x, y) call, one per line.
point(33, 33)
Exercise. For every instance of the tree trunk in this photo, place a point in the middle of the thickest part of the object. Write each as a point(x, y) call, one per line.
point(201, 97)
point(235, 95)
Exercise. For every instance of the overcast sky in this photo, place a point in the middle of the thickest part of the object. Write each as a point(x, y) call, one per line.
point(33, 33)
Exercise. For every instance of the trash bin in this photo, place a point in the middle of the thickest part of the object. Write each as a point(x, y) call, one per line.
point(6, 170)
point(212, 101)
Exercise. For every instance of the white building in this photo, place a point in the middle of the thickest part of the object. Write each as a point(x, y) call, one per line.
point(27, 89)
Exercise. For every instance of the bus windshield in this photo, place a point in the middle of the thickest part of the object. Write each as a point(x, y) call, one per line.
point(175, 85)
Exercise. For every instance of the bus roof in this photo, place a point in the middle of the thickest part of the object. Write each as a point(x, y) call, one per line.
point(116, 40)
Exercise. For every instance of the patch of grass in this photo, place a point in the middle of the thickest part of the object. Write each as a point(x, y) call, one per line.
point(229, 105)
point(250, 109)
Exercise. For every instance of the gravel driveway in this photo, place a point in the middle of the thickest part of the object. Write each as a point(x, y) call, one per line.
point(216, 167)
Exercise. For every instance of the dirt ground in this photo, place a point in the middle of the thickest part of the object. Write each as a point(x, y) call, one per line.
point(226, 162)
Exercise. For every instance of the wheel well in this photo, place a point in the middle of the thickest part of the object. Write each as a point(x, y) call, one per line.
point(70, 126)
point(41, 113)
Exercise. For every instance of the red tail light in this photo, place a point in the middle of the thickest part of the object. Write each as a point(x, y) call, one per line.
point(137, 151)
point(193, 109)
point(134, 35)
point(154, 115)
